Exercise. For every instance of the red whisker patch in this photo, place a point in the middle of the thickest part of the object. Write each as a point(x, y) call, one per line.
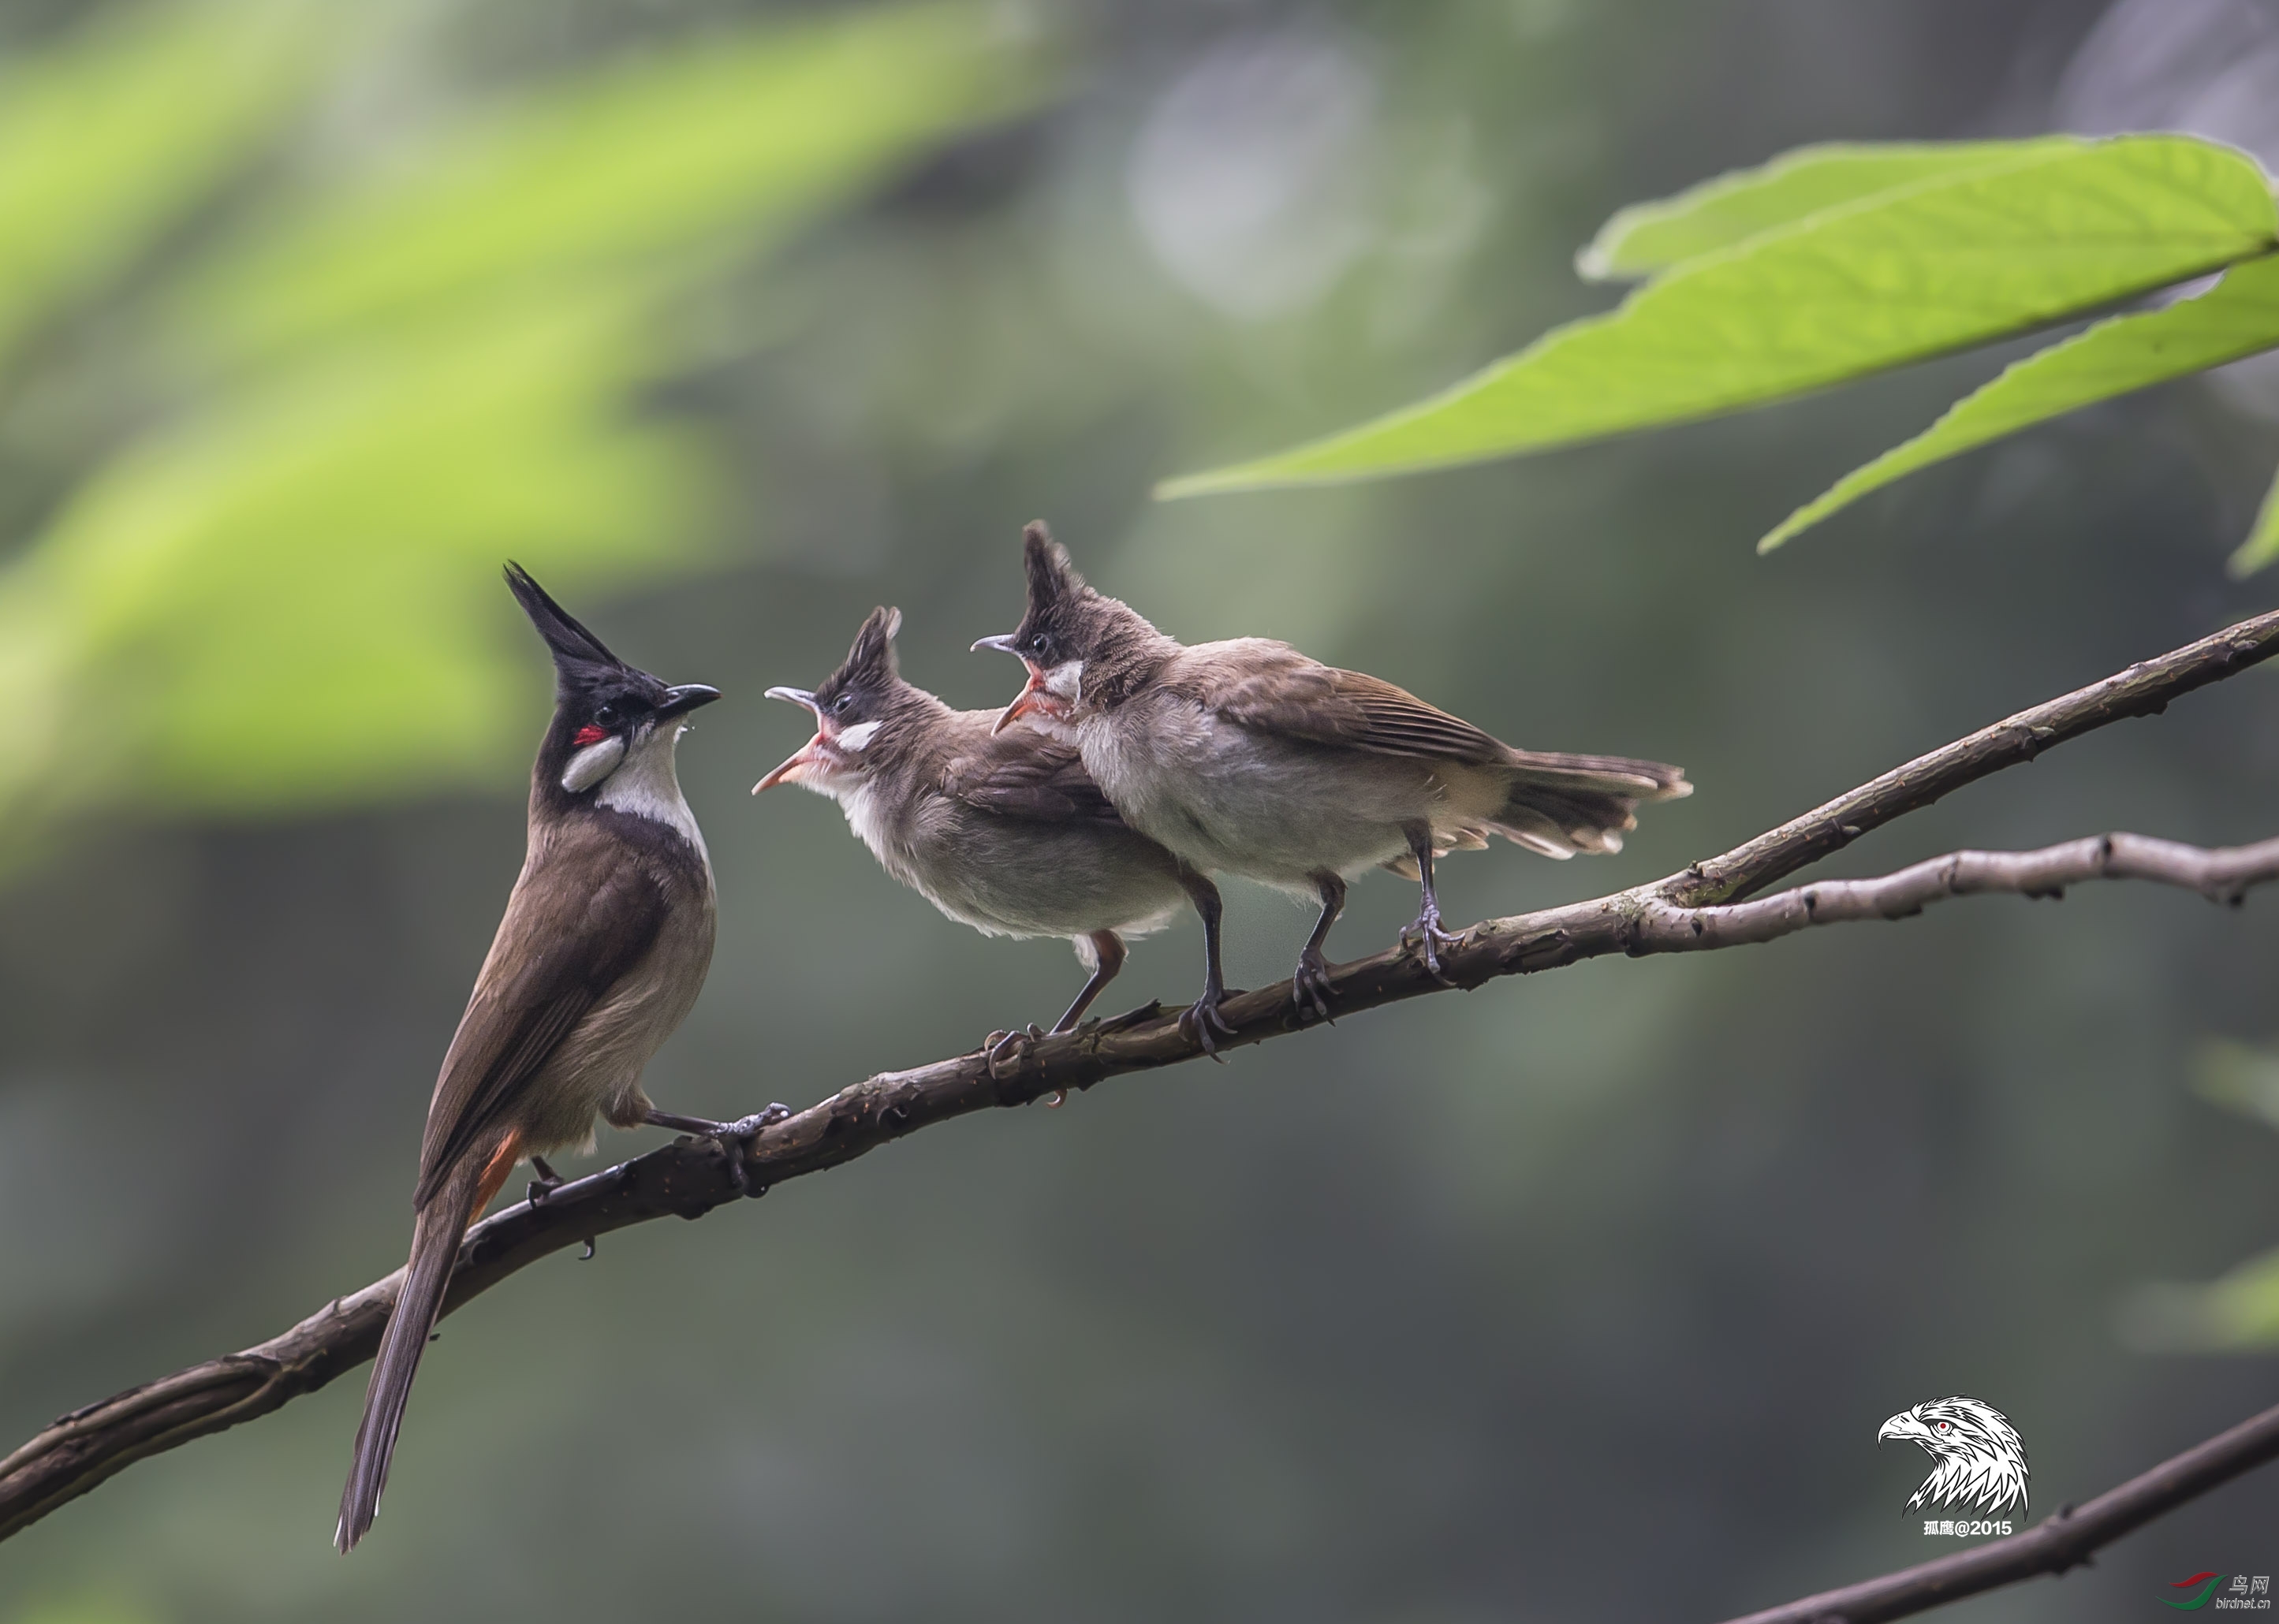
point(590, 735)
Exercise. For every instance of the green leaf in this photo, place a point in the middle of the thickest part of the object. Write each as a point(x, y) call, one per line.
point(292, 601)
point(2262, 544)
point(2239, 317)
point(737, 136)
point(112, 136)
point(1897, 277)
point(284, 594)
point(1650, 237)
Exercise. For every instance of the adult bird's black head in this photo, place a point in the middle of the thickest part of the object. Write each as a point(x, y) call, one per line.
point(863, 712)
point(1084, 651)
point(614, 724)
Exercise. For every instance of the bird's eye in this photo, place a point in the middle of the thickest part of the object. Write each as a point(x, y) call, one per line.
point(839, 706)
point(606, 716)
point(1944, 1426)
point(1037, 643)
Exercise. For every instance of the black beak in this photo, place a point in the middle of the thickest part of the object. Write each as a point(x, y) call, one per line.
point(679, 702)
point(1003, 643)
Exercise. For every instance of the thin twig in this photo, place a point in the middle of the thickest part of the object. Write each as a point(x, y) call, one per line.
point(2058, 1543)
point(690, 1178)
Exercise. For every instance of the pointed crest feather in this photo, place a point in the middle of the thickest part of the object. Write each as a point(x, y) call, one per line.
point(873, 654)
point(568, 639)
point(1052, 577)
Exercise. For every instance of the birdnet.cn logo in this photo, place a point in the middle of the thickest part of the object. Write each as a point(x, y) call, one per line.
point(1978, 1465)
point(2239, 1592)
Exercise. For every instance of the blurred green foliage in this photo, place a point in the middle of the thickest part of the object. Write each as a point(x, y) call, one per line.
point(1833, 263)
point(1579, 1300)
point(85, 1606)
point(2238, 1312)
point(390, 366)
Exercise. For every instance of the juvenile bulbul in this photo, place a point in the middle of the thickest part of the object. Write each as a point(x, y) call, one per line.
point(1246, 757)
point(606, 939)
point(999, 829)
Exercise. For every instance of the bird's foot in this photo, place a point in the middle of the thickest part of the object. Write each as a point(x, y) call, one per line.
point(1202, 1021)
point(735, 1138)
point(1003, 1047)
point(545, 1184)
point(736, 1142)
point(1424, 936)
point(1310, 987)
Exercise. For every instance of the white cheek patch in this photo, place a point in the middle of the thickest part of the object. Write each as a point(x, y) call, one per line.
point(592, 764)
point(856, 738)
point(1066, 680)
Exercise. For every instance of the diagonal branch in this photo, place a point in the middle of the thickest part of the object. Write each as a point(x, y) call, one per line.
point(2057, 1543)
point(1702, 906)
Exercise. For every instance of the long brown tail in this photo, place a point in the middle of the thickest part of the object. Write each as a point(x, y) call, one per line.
point(1559, 805)
point(435, 1237)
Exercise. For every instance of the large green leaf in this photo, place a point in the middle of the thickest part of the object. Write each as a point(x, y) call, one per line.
point(1897, 277)
point(285, 593)
point(737, 134)
point(293, 600)
point(109, 137)
point(1651, 237)
point(2239, 317)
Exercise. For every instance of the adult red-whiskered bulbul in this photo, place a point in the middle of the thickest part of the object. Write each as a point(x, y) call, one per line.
point(606, 939)
point(999, 829)
point(1246, 757)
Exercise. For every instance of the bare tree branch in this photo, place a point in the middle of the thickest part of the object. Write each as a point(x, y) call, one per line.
point(1700, 908)
point(2224, 875)
point(2057, 1543)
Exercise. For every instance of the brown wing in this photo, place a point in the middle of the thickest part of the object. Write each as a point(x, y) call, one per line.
point(1273, 687)
point(572, 928)
point(1022, 773)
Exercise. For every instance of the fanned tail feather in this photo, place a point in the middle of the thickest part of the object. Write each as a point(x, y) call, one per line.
point(1559, 805)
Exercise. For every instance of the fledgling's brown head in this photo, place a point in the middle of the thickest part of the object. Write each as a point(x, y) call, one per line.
point(865, 714)
point(1086, 652)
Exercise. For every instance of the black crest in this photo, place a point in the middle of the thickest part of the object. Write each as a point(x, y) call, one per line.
point(868, 685)
point(872, 658)
point(1053, 580)
point(585, 673)
point(568, 639)
point(1059, 623)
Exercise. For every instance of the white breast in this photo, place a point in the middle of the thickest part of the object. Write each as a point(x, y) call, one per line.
point(1235, 802)
point(648, 786)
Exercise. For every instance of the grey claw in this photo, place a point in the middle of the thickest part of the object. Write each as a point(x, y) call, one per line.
point(736, 1138)
point(1003, 1046)
point(1198, 1020)
point(1424, 936)
point(1309, 990)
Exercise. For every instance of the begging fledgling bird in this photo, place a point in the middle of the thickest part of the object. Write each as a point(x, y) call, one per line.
point(606, 939)
point(1246, 757)
point(999, 829)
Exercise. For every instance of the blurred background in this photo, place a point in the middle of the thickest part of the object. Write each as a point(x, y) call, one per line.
point(1579, 1298)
